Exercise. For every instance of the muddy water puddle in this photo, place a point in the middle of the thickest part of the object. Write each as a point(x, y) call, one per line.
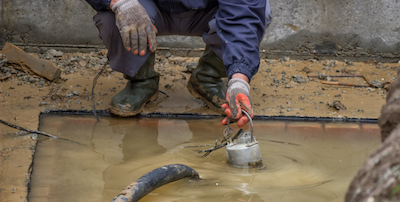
point(304, 161)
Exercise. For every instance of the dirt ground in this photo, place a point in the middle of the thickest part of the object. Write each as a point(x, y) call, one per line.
point(282, 87)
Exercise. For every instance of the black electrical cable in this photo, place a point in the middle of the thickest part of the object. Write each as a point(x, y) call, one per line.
point(36, 132)
point(154, 179)
point(94, 84)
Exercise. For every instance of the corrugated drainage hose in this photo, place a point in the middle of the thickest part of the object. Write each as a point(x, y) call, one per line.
point(154, 179)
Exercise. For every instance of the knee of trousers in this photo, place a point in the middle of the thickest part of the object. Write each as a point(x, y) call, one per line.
point(105, 23)
point(120, 59)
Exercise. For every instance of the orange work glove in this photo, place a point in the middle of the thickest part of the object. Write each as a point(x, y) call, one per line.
point(239, 99)
point(135, 26)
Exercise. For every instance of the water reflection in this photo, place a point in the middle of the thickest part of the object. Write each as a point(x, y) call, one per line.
point(302, 165)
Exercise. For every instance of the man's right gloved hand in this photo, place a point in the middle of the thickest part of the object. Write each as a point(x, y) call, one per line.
point(134, 26)
point(238, 97)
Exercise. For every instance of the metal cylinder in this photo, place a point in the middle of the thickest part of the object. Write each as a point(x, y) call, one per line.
point(244, 152)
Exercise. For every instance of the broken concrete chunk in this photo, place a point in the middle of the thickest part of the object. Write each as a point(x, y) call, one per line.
point(40, 67)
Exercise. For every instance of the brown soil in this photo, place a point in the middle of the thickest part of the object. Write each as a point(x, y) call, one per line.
point(281, 87)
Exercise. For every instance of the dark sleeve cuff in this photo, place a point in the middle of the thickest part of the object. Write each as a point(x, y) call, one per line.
point(100, 5)
point(239, 68)
point(107, 4)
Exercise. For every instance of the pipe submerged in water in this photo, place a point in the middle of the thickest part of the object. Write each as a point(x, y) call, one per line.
point(154, 179)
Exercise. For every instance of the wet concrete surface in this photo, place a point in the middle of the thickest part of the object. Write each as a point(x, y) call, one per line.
point(280, 88)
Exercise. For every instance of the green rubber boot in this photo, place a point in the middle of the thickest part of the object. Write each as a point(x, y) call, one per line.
point(140, 89)
point(206, 83)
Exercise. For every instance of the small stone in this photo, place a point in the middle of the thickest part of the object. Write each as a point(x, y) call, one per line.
point(42, 81)
point(281, 111)
point(75, 93)
point(21, 74)
point(268, 70)
point(299, 79)
point(285, 59)
point(371, 89)
point(54, 53)
point(43, 103)
point(277, 81)
point(338, 105)
point(168, 54)
point(269, 61)
point(376, 83)
point(190, 67)
point(11, 87)
point(306, 70)
point(32, 79)
point(360, 110)
point(322, 76)
point(283, 72)
point(82, 63)
point(349, 63)
point(34, 136)
point(332, 64)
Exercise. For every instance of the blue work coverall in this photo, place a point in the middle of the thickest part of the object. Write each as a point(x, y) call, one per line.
point(232, 28)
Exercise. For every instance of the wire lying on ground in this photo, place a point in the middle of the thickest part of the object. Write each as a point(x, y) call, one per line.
point(36, 132)
point(27, 130)
point(94, 84)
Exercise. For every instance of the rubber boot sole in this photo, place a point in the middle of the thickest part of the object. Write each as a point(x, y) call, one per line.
point(208, 103)
point(125, 113)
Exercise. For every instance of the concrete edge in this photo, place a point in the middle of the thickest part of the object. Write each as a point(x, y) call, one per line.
point(197, 52)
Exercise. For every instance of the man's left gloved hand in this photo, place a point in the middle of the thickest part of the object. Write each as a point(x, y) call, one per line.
point(134, 26)
point(238, 97)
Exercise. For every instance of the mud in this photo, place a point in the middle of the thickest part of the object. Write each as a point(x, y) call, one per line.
point(281, 87)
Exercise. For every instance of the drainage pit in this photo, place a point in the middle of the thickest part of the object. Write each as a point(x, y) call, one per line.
point(305, 161)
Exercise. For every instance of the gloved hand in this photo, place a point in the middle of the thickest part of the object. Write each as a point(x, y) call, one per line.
point(134, 26)
point(238, 97)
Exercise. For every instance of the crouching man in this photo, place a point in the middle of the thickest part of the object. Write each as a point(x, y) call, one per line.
point(231, 29)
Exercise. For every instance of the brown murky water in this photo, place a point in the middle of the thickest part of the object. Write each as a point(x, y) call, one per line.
point(304, 161)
